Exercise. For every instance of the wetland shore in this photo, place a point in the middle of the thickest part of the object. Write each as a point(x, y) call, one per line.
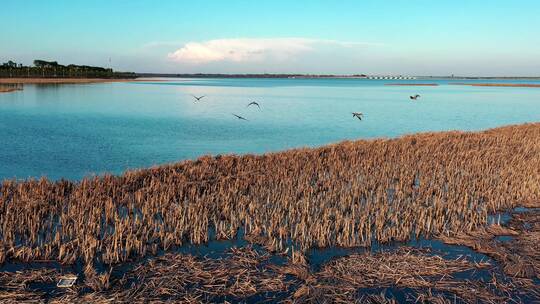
point(123, 234)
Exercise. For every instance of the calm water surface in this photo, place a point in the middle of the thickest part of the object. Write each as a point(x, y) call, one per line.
point(71, 131)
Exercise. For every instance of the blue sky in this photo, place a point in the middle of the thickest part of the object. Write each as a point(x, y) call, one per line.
point(375, 37)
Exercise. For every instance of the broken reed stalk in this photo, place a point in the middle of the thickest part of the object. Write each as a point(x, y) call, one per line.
point(244, 275)
point(519, 255)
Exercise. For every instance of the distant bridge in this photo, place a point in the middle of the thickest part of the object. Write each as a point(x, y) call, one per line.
point(391, 77)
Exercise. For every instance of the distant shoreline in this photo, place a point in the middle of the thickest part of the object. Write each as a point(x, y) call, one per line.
point(64, 80)
point(279, 76)
point(156, 78)
point(146, 76)
point(323, 76)
point(517, 85)
point(413, 84)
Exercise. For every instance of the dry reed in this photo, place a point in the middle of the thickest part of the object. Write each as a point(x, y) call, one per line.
point(341, 280)
point(519, 256)
point(346, 194)
point(247, 275)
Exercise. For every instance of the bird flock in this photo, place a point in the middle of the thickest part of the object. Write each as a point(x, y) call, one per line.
point(358, 115)
point(253, 103)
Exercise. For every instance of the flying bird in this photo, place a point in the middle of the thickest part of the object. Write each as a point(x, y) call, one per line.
point(415, 97)
point(198, 98)
point(253, 103)
point(239, 117)
point(357, 115)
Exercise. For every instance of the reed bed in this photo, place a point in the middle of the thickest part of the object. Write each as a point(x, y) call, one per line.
point(347, 194)
point(170, 278)
point(524, 250)
point(519, 256)
point(244, 273)
point(247, 275)
point(16, 287)
point(344, 280)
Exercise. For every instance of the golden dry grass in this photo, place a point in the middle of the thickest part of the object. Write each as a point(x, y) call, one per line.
point(519, 256)
point(406, 268)
point(347, 194)
point(244, 275)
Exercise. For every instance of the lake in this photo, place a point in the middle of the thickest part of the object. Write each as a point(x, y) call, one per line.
point(72, 131)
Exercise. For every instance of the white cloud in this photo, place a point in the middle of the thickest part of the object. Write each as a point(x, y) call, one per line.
point(249, 49)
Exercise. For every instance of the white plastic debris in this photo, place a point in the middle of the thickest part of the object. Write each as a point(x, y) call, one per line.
point(66, 281)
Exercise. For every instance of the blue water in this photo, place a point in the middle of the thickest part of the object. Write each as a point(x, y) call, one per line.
point(71, 131)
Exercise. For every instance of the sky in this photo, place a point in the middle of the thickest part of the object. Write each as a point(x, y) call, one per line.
point(398, 37)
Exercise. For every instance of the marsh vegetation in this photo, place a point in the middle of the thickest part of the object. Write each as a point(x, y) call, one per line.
point(351, 194)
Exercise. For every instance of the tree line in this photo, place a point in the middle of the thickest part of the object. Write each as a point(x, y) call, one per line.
point(52, 69)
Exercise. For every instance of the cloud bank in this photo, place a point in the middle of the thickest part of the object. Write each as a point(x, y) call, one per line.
point(251, 50)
